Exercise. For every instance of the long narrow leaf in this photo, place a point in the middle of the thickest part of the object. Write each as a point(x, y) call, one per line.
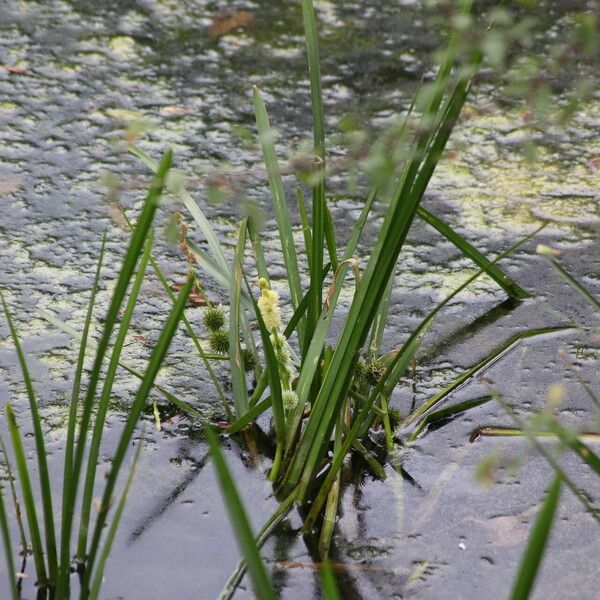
point(491, 358)
point(318, 207)
point(392, 377)
point(65, 548)
point(250, 416)
point(578, 287)
point(572, 441)
point(265, 134)
point(260, 581)
point(328, 584)
point(446, 413)
point(28, 499)
point(105, 395)
point(532, 558)
point(306, 229)
point(40, 449)
point(503, 280)
point(238, 373)
point(136, 243)
point(156, 359)
point(198, 216)
point(8, 551)
point(15, 499)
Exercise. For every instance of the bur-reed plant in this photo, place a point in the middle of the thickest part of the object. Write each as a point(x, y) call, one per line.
point(55, 555)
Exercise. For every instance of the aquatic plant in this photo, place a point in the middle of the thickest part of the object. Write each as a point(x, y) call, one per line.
point(326, 399)
point(54, 555)
point(341, 392)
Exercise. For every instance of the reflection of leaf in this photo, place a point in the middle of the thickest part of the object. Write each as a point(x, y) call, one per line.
point(506, 531)
point(228, 21)
point(593, 163)
point(8, 186)
point(194, 299)
point(175, 111)
point(124, 115)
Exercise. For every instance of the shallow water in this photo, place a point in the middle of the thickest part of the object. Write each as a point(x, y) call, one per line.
point(91, 68)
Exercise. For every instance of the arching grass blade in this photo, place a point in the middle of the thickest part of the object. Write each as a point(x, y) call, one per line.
point(503, 280)
point(136, 243)
point(267, 142)
point(497, 353)
point(444, 414)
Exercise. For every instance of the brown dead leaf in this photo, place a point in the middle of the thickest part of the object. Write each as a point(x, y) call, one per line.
point(228, 21)
point(16, 70)
point(196, 300)
point(594, 163)
point(115, 210)
point(175, 111)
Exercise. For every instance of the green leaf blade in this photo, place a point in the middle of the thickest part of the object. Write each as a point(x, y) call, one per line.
point(260, 581)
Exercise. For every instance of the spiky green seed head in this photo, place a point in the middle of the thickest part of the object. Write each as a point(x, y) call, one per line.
point(395, 417)
point(219, 341)
point(214, 318)
point(289, 399)
point(374, 373)
point(249, 359)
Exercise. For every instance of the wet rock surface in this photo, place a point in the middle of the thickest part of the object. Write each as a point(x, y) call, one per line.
point(84, 76)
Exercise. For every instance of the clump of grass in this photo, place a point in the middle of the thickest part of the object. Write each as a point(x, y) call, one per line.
point(54, 553)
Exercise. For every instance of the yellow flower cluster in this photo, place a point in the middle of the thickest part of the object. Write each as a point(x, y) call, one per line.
point(269, 306)
point(268, 303)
